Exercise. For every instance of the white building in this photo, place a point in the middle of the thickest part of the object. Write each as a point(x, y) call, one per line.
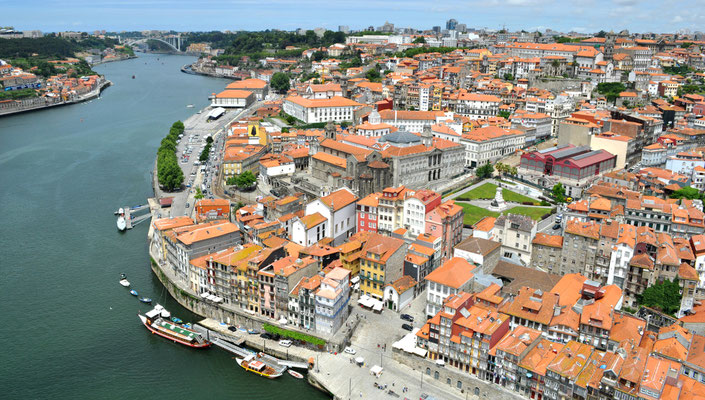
point(274, 165)
point(621, 256)
point(309, 229)
point(399, 293)
point(233, 99)
point(477, 106)
point(411, 121)
point(455, 275)
point(320, 110)
point(539, 121)
point(332, 301)
point(338, 208)
point(489, 144)
point(323, 91)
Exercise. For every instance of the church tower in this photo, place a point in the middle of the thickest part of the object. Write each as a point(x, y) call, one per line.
point(427, 136)
point(330, 131)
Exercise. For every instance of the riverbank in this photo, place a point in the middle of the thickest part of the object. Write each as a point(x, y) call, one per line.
point(188, 69)
point(41, 103)
point(104, 61)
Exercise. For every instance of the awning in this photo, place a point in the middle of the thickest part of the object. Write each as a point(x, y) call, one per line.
point(360, 360)
point(205, 295)
point(376, 370)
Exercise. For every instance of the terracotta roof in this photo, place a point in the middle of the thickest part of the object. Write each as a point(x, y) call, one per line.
point(312, 220)
point(478, 245)
point(331, 159)
point(544, 239)
point(233, 94)
point(339, 199)
point(403, 284)
point(453, 273)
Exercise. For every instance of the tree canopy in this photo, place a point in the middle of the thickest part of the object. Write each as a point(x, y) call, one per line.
point(662, 296)
point(419, 39)
point(280, 82)
point(169, 173)
point(242, 181)
point(611, 90)
point(687, 192)
point(484, 171)
point(558, 193)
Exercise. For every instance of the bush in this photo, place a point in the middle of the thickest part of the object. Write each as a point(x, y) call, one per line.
point(275, 330)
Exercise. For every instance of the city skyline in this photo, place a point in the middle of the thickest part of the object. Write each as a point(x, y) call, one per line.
point(530, 15)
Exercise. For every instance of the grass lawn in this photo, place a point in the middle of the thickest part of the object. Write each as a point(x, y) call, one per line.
point(488, 190)
point(534, 213)
point(475, 213)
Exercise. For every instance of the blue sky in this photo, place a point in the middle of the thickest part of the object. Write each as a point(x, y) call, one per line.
point(199, 15)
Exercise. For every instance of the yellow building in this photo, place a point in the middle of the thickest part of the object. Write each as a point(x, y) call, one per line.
point(255, 130)
point(381, 262)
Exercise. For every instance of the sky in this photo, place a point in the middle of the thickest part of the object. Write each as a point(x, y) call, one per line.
point(585, 16)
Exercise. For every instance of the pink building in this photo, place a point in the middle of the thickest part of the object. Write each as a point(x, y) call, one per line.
point(446, 221)
point(267, 305)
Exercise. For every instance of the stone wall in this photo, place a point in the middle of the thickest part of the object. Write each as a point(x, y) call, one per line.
point(469, 384)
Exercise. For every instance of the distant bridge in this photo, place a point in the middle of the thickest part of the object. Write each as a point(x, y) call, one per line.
point(173, 41)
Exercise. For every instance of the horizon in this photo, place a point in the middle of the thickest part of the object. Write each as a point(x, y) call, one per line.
point(133, 15)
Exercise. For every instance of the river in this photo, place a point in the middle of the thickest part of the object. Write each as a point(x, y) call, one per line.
point(70, 331)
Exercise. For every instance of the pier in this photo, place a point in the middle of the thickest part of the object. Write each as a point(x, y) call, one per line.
point(127, 219)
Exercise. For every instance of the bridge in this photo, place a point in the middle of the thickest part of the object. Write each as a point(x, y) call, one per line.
point(173, 41)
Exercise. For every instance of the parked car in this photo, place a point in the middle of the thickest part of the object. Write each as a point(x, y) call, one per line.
point(407, 327)
point(407, 317)
point(285, 343)
point(267, 335)
point(232, 329)
point(556, 227)
point(349, 350)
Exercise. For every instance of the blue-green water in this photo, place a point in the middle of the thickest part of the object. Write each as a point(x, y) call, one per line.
point(69, 330)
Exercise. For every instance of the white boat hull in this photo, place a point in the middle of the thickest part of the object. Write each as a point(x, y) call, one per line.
point(125, 282)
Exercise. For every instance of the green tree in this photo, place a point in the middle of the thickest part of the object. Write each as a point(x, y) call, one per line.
point(239, 205)
point(611, 90)
point(601, 34)
point(504, 114)
point(199, 195)
point(318, 55)
point(205, 153)
point(663, 296)
point(280, 82)
point(373, 75)
point(558, 193)
point(484, 171)
point(687, 192)
point(508, 77)
point(245, 180)
point(209, 139)
point(420, 39)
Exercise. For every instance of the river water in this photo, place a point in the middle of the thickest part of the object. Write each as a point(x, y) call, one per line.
point(69, 330)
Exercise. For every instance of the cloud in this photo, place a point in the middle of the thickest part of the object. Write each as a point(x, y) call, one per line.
point(677, 19)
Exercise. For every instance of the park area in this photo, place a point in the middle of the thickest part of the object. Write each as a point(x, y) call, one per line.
point(475, 213)
point(487, 192)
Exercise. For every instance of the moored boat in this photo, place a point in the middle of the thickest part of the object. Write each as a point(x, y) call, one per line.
point(145, 300)
point(123, 280)
point(295, 374)
point(176, 320)
point(134, 292)
point(157, 321)
point(254, 363)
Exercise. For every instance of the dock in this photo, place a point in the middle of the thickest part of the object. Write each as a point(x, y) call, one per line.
point(233, 345)
point(130, 220)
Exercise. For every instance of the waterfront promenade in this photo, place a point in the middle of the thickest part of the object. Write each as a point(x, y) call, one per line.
point(40, 103)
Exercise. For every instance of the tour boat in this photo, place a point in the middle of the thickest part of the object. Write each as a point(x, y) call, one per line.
point(121, 223)
point(133, 292)
point(145, 300)
point(157, 321)
point(295, 374)
point(255, 364)
point(123, 280)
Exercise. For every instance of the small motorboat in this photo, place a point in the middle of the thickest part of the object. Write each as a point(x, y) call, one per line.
point(123, 280)
point(295, 374)
point(253, 332)
point(189, 106)
point(134, 292)
point(176, 320)
point(146, 300)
